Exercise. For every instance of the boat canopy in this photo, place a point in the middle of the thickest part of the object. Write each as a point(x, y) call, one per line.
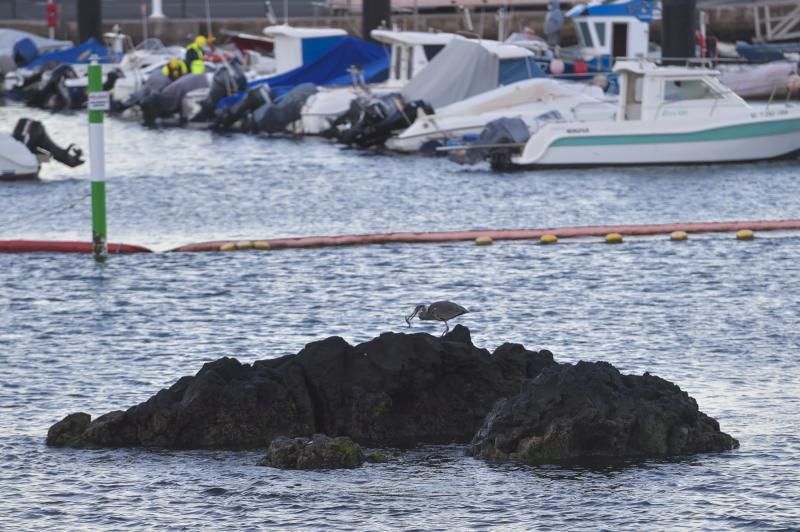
point(466, 68)
point(329, 70)
point(77, 54)
point(9, 37)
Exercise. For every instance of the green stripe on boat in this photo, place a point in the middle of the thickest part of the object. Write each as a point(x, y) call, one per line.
point(741, 131)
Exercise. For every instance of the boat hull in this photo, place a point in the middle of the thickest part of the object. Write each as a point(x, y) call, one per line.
point(589, 145)
point(16, 161)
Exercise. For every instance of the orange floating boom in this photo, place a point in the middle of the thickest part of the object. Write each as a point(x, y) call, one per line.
point(503, 234)
point(43, 246)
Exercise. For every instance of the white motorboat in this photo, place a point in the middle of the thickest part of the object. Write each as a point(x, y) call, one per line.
point(666, 115)
point(139, 62)
point(16, 160)
point(531, 100)
point(410, 53)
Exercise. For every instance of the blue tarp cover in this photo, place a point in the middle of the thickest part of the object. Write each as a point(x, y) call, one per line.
point(77, 54)
point(329, 70)
point(644, 10)
point(764, 53)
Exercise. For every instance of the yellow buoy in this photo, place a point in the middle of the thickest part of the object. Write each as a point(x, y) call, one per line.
point(483, 241)
point(744, 234)
point(244, 244)
point(261, 244)
point(678, 235)
point(230, 246)
point(548, 239)
point(613, 238)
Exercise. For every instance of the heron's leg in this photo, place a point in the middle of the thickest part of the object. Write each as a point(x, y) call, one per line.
point(446, 327)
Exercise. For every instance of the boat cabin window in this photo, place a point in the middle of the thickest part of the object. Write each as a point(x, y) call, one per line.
point(688, 89)
point(551, 116)
point(585, 34)
point(619, 39)
point(410, 63)
point(600, 30)
point(517, 69)
point(431, 50)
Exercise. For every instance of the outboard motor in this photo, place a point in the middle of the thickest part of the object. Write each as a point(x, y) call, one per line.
point(226, 81)
point(511, 131)
point(380, 118)
point(33, 135)
point(53, 94)
point(153, 85)
point(167, 102)
point(277, 117)
point(253, 99)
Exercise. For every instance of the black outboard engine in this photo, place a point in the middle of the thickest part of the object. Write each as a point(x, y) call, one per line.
point(511, 131)
point(276, 117)
point(168, 101)
point(53, 94)
point(253, 99)
point(150, 104)
point(380, 118)
point(154, 84)
point(32, 134)
point(226, 81)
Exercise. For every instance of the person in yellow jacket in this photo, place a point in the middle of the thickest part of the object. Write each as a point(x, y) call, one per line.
point(194, 55)
point(174, 69)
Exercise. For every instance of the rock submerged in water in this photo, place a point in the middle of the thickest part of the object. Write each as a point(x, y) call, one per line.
point(400, 390)
point(591, 410)
point(397, 390)
point(318, 452)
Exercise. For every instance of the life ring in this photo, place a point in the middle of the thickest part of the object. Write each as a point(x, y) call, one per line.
point(700, 42)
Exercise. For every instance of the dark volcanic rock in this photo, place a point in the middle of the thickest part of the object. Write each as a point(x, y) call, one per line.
point(69, 431)
point(317, 452)
point(396, 390)
point(591, 410)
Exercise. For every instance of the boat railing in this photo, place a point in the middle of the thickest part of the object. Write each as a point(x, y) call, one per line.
point(704, 62)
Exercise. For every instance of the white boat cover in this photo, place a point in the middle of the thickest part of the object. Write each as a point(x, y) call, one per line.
point(462, 69)
point(758, 81)
point(15, 158)
point(9, 37)
point(520, 93)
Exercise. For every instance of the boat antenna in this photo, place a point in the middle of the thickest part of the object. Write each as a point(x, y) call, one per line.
point(286, 12)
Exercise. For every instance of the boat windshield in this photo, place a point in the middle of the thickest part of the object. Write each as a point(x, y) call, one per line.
point(692, 89)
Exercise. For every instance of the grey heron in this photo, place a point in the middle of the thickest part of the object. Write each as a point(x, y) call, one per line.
point(437, 311)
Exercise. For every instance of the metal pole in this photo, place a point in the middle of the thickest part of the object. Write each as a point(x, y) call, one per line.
point(416, 15)
point(143, 9)
point(286, 12)
point(208, 19)
point(98, 102)
point(51, 28)
point(157, 10)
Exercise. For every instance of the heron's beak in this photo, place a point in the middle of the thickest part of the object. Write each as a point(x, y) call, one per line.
point(409, 318)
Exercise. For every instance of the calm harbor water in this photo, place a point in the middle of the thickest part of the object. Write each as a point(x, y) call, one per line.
point(718, 317)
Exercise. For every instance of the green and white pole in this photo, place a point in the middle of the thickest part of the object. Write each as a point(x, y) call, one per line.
point(98, 103)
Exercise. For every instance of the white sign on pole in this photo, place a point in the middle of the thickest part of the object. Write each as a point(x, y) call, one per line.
point(99, 101)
